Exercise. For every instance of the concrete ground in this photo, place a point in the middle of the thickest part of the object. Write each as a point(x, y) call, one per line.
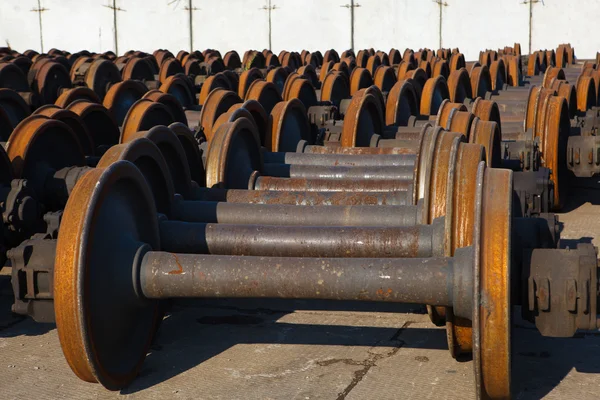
point(310, 350)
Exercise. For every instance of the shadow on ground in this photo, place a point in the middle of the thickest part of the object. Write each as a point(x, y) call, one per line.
point(197, 331)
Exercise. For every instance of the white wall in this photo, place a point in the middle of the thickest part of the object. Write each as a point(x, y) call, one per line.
point(574, 21)
point(146, 25)
point(309, 24)
point(383, 24)
point(475, 25)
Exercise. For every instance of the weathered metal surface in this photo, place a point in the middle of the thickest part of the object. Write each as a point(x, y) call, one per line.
point(304, 198)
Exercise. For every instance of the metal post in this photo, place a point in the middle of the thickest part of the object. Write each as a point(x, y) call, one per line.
point(40, 10)
point(114, 7)
point(530, 23)
point(190, 13)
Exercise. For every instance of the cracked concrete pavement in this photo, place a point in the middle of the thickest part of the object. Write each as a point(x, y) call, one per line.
point(217, 349)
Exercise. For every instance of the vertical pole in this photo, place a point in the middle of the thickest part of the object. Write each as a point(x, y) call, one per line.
point(530, 22)
point(40, 22)
point(440, 22)
point(114, 7)
point(352, 25)
point(190, 11)
point(270, 31)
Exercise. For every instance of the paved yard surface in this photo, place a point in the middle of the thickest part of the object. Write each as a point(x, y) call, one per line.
point(309, 350)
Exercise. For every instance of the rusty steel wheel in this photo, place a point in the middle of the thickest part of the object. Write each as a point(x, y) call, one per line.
point(372, 90)
point(78, 93)
point(40, 140)
point(146, 156)
point(218, 81)
point(49, 80)
point(440, 196)
point(178, 86)
point(359, 79)
point(265, 93)
point(308, 72)
point(440, 67)
point(434, 93)
point(498, 74)
point(217, 103)
point(401, 104)
point(181, 54)
point(362, 57)
point(485, 59)
point(232, 61)
point(74, 71)
point(100, 75)
point(161, 56)
point(192, 67)
point(335, 88)
point(385, 78)
point(169, 68)
point(491, 294)
point(13, 106)
point(121, 96)
point(363, 119)
point(385, 59)
point(447, 108)
point(331, 55)
point(73, 121)
point(394, 57)
point(288, 125)
point(271, 60)
point(246, 79)
point(459, 86)
point(325, 68)
point(137, 68)
point(233, 156)
point(531, 109)
point(419, 78)
point(553, 145)
point(487, 110)
point(291, 77)
point(460, 121)
point(533, 65)
point(373, 62)
point(174, 154)
point(259, 117)
point(89, 348)
point(426, 67)
point(487, 134)
point(402, 69)
point(98, 121)
point(278, 76)
point(457, 61)
point(409, 57)
point(481, 81)
point(551, 73)
point(568, 91)
point(550, 58)
point(596, 77)
point(303, 90)
point(169, 101)
point(192, 152)
point(463, 182)
point(343, 68)
point(586, 93)
point(235, 112)
point(539, 118)
point(513, 71)
point(143, 115)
